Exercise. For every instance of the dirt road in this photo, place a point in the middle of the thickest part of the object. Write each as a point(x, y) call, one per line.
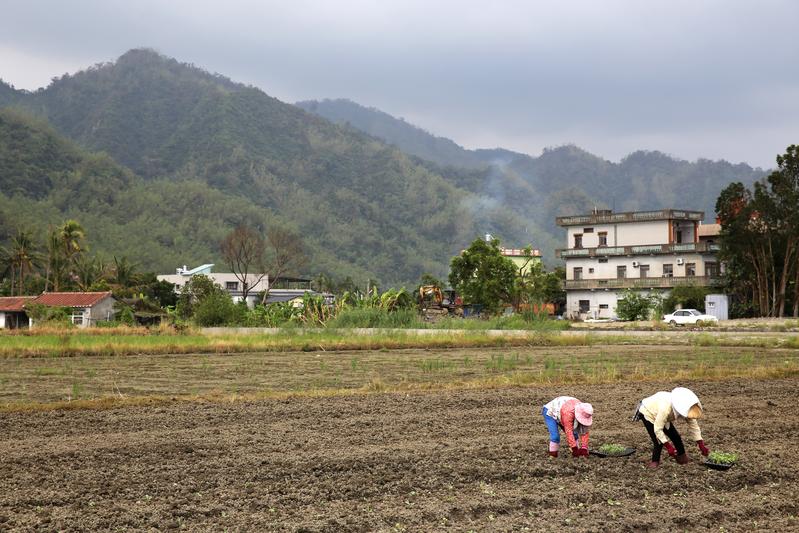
point(458, 460)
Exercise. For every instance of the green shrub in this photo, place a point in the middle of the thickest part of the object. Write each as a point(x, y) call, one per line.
point(217, 309)
point(634, 306)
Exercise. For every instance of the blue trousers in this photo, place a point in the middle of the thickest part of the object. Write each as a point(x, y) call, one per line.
point(554, 427)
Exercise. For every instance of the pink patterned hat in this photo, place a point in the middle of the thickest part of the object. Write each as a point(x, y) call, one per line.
point(584, 413)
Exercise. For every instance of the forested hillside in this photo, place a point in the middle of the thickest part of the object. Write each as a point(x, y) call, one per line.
point(205, 154)
point(164, 158)
point(562, 180)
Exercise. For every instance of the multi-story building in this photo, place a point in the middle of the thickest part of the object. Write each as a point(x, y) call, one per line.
point(609, 252)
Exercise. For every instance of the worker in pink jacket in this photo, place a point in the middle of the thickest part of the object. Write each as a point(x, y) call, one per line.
point(574, 418)
point(659, 411)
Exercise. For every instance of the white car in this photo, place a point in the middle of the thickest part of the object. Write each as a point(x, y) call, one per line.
point(687, 316)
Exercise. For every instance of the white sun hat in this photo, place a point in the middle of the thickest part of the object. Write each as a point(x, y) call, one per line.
point(683, 399)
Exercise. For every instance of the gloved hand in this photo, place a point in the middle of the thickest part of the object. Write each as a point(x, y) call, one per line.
point(702, 448)
point(584, 452)
point(670, 448)
point(576, 452)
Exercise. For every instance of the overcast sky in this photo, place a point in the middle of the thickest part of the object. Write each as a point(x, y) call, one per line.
point(713, 79)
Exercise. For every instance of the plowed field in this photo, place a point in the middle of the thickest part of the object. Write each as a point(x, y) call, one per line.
point(453, 460)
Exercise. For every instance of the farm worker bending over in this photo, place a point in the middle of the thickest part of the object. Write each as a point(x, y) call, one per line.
point(574, 418)
point(659, 411)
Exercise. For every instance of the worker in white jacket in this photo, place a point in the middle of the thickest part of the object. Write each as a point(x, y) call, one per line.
point(659, 411)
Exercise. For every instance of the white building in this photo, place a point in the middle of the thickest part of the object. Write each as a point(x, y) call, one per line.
point(608, 253)
point(257, 284)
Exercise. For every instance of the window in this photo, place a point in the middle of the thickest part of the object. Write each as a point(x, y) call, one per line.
point(603, 306)
point(690, 269)
point(590, 270)
point(232, 285)
point(712, 269)
point(621, 271)
point(668, 271)
point(578, 272)
point(578, 240)
point(644, 270)
point(77, 317)
point(603, 238)
point(603, 259)
point(588, 230)
point(585, 306)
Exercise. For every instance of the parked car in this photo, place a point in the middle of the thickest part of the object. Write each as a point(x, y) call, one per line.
point(688, 316)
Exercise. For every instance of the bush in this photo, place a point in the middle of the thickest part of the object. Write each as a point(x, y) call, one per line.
point(43, 315)
point(217, 309)
point(375, 317)
point(634, 306)
point(687, 297)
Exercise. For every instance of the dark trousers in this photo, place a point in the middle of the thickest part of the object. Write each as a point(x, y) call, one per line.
point(671, 433)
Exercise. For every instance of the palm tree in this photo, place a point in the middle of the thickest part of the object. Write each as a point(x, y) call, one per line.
point(71, 235)
point(23, 257)
point(63, 245)
point(125, 274)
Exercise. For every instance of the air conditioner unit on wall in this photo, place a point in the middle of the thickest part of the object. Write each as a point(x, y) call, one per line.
point(635, 264)
point(680, 260)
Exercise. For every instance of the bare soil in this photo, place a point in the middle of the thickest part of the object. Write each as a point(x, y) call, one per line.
point(449, 460)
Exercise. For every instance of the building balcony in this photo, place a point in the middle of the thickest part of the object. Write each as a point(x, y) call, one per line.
point(608, 217)
point(648, 249)
point(639, 283)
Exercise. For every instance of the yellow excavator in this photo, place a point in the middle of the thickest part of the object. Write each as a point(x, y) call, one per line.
point(435, 303)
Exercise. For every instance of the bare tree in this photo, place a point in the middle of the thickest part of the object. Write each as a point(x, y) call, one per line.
point(243, 250)
point(285, 253)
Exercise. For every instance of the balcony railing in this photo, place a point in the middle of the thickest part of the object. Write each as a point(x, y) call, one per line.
point(607, 217)
point(649, 249)
point(639, 283)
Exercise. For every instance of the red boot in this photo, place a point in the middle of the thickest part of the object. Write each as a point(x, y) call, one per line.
point(553, 454)
point(653, 464)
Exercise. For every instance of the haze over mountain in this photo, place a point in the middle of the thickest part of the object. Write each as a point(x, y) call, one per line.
point(189, 155)
point(642, 180)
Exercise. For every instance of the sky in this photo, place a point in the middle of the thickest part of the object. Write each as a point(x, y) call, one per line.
point(694, 79)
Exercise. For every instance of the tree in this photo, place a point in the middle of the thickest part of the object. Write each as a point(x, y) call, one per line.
point(123, 273)
point(64, 244)
point(760, 237)
point(482, 275)
point(20, 258)
point(194, 292)
point(285, 253)
point(243, 250)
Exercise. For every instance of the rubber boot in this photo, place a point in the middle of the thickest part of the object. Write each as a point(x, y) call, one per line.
point(553, 448)
point(653, 464)
point(682, 459)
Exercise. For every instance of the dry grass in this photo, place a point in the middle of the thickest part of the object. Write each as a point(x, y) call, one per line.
point(97, 381)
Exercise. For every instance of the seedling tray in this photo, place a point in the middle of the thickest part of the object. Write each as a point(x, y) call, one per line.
point(718, 466)
point(626, 453)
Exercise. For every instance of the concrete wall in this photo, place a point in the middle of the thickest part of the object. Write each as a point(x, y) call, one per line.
point(598, 299)
point(625, 234)
point(655, 262)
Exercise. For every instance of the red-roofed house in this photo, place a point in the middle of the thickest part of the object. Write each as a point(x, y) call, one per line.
point(87, 307)
point(12, 311)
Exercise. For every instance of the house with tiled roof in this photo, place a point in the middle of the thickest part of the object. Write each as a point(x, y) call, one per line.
point(87, 307)
point(12, 311)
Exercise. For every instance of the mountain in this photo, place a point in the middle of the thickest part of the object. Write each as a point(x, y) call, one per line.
point(562, 180)
point(201, 154)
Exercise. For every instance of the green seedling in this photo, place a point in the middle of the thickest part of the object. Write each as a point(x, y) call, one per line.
point(611, 449)
point(722, 458)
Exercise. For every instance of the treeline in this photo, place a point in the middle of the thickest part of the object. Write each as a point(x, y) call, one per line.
point(760, 241)
point(63, 262)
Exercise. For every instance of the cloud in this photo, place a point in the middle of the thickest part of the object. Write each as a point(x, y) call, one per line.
point(613, 76)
